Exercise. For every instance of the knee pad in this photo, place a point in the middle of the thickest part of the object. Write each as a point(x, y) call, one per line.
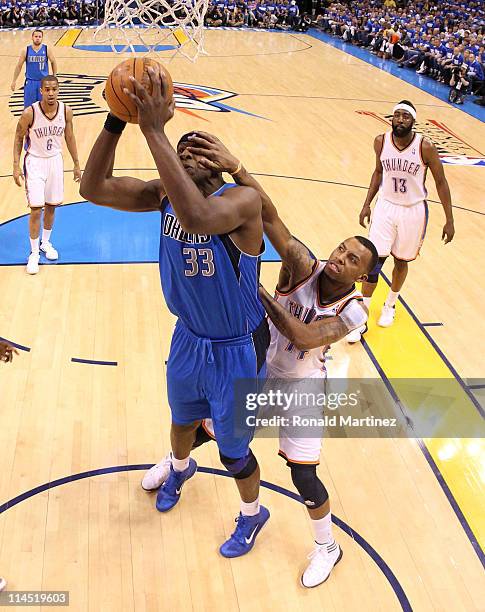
point(308, 485)
point(240, 468)
point(374, 275)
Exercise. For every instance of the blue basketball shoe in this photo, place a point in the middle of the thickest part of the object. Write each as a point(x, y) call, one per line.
point(243, 538)
point(170, 491)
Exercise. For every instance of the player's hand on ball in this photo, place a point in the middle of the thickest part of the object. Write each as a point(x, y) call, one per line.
point(364, 217)
point(77, 173)
point(18, 177)
point(154, 110)
point(215, 155)
point(448, 232)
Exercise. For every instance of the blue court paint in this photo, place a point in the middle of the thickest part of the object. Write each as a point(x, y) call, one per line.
point(374, 555)
point(88, 234)
point(226, 107)
point(438, 90)
point(19, 346)
point(121, 48)
point(94, 361)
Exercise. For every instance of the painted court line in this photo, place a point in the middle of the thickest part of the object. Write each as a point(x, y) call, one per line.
point(406, 351)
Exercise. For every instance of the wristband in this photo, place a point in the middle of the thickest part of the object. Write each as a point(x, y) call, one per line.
point(237, 170)
point(114, 125)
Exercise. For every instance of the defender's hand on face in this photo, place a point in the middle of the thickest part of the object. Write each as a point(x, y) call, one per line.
point(216, 156)
point(154, 110)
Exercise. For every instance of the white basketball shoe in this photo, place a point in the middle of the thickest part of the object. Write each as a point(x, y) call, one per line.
point(387, 316)
point(3, 583)
point(157, 475)
point(324, 557)
point(33, 263)
point(356, 335)
point(49, 250)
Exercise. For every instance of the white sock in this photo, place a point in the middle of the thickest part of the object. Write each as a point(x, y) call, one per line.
point(250, 508)
point(179, 465)
point(322, 528)
point(366, 301)
point(392, 298)
point(34, 245)
point(46, 234)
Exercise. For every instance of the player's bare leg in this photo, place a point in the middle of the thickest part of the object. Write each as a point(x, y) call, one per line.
point(399, 274)
point(46, 246)
point(249, 487)
point(182, 466)
point(367, 291)
point(34, 230)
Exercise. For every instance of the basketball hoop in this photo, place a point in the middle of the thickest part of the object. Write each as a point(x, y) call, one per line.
point(154, 26)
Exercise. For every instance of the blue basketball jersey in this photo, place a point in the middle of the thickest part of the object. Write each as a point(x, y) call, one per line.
point(207, 281)
point(37, 65)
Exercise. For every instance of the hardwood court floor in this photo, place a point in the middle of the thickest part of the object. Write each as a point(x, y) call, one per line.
point(100, 537)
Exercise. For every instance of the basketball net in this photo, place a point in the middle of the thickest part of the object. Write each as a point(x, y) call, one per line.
point(154, 26)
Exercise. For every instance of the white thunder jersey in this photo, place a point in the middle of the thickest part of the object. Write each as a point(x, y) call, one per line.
point(45, 135)
point(404, 172)
point(284, 359)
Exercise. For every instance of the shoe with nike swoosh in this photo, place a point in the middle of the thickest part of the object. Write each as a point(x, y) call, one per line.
point(169, 492)
point(243, 538)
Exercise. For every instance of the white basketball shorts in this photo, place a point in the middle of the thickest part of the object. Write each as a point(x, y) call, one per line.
point(44, 180)
point(398, 230)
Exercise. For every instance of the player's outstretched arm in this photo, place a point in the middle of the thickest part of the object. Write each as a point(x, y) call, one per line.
point(318, 333)
point(18, 68)
point(296, 257)
point(375, 182)
point(71, 143)
point(22, 128)
point(431, 158)
point(99, 186)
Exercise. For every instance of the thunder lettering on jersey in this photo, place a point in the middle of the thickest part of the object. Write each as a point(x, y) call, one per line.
point(45, 136)
point(207, 281)
point(284, 359)
point(36, 63)
point(404, 172)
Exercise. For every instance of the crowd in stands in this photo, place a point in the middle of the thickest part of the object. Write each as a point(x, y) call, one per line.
point(438, 38)
point(39, 13)
point(443, 40)
point(278, 15)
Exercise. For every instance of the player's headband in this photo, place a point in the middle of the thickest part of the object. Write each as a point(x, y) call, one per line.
point(407, 108)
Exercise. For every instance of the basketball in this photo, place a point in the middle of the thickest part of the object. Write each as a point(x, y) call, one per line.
point(119, 103)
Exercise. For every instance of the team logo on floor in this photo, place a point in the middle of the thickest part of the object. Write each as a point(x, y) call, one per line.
point(83, 93)
point(451, 148)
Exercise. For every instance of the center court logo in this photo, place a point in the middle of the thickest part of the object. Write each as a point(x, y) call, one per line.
point(77, 91)
point(452, 148)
